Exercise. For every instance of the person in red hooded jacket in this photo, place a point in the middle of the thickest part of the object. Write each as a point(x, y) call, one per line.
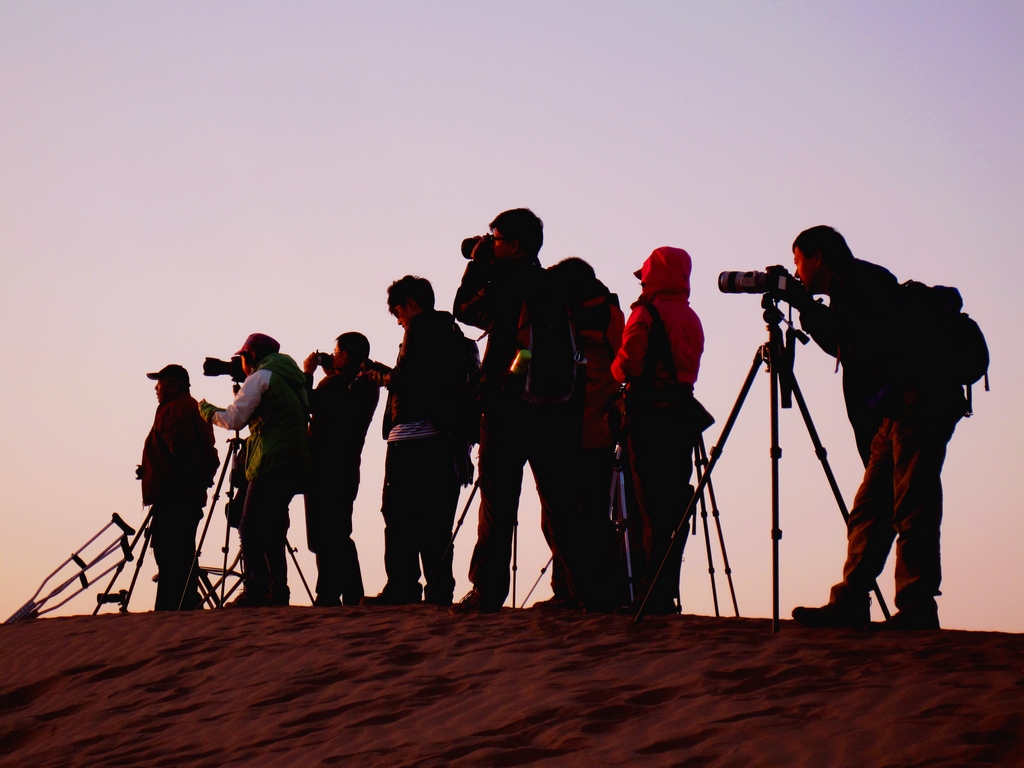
point(659, 360)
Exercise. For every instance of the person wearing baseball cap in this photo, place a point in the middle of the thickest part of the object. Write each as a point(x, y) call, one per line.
point(274, 404)
point(179, 462)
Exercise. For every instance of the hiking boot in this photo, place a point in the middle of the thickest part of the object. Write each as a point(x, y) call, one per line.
point(908, 621)
point(833, 615)
point(472, 603)
point(327, 602)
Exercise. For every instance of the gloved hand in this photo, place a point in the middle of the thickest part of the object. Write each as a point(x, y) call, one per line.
point(206, 410)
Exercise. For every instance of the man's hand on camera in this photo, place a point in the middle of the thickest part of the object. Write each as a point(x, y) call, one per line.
point(483, 251)
point(310, 363)
point(795, 294)
point(206, 410)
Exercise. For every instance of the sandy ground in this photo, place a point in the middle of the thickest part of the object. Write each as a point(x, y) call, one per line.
point(415, 686)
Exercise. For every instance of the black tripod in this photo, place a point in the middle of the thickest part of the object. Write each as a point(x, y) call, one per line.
point(700, 463)
point(778, 355)
point(618, 511)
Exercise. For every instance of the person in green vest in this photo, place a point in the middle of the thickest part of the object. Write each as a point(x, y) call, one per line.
point(274, 404)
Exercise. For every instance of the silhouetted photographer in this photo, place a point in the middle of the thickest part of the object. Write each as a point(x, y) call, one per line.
point(903, 404)
point(422, 469)
point(179, 462)
point(659, 361)
point(274, 404)
point(341, 408)
point(532, 399)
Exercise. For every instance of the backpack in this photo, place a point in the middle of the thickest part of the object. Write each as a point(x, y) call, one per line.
point(547, 331)
point(465, 406)
point(945, 343)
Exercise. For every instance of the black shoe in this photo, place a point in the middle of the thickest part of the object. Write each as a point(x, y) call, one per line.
point(558, 604)
point(248, 600)
point(833, 615)
point(389, 598)
point(907, 621)
point(472, 603)
point(327, 602)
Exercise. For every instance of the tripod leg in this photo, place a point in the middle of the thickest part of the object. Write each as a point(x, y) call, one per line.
point(822, 454)
point(295, 562)
point(209, 517)
point(515, 557)
point(707, 534)
point(539, 577)
point(624, 517)
point(716, 452)
point(147, 535)
point(451, 541)
point(718, 525)
point(776, 454)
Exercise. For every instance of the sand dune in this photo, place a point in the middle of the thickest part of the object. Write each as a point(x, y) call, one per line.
point(415, 686)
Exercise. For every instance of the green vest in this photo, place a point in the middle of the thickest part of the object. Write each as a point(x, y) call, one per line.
point(278, 440)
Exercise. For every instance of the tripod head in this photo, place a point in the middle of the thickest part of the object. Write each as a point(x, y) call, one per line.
point(780, 352)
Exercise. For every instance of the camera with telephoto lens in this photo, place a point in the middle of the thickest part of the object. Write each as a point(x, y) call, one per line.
point(213, 366)
point(484, 253)
point(774, 280)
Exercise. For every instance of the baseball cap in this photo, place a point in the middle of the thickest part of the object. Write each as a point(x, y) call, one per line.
point(174, 372)
point(259, 345)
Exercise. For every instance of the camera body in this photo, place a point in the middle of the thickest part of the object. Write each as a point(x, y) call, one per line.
point(325, 360)
point(775, 280)
point(485, 252)
point(213, 366)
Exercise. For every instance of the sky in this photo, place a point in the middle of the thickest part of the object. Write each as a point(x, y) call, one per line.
point(175, 176)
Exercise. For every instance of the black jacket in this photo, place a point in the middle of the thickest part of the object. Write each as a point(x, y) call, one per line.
point(865, 328)
point(491, 298)
point(342, 408)
point(428, 373)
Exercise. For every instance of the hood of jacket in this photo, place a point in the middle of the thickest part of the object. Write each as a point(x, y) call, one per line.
point(665, 273)
point(285, 367)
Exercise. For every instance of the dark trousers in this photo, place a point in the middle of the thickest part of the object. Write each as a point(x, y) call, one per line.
point(548, 438)
point(900, 498)
point(421, 492)
point(173, 530)
point(595, 481)
point(263, 531)
point(661, 460)
point(329, 535)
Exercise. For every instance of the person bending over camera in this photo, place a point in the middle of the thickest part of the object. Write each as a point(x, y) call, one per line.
point(273, 402)
point(659, 360)
point(341, 409)
point(421, 481)
point(902, 420)
point(179, 462)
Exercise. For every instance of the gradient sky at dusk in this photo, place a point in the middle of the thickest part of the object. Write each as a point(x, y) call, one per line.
point(176, 176)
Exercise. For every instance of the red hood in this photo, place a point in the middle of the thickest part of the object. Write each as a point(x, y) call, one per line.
point(666, 272)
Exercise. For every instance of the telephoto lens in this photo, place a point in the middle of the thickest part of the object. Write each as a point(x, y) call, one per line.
point(774, 280)
point(742, 282)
